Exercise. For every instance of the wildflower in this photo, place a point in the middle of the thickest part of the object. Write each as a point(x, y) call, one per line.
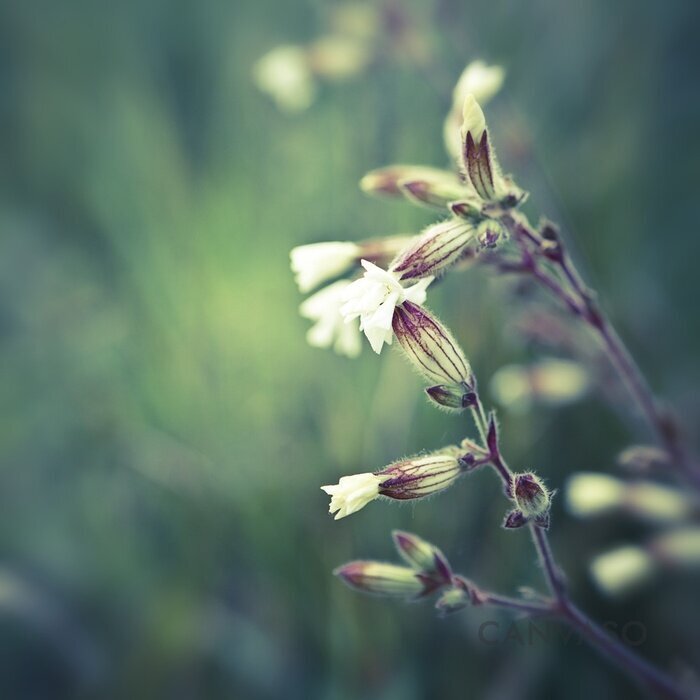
point(531, 496)
point(478, 158)
point(422, 555)
point(318, 262)
point(620, 570)
point(404, 480)
point(439, 246)
point(590, 494)
point(550, 381)
point(374, 298)
point(352, 493)
point(385, 579)
point(430, 347)
point(329, 328)
point(451, 396)
point(389, 181)
point(482, 81)
point(285, 75)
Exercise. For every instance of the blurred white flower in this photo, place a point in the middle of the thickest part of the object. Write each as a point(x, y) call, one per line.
point(318, 262)
point(550, 381)
point(338, 57)
point(592, 494)
point(481, 81)
point(285, 75)
point(352, 493)
point(621, 570)
point(330, 328)
point(373, 299)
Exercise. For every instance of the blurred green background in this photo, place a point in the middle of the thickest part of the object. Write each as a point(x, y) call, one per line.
point(164, 426)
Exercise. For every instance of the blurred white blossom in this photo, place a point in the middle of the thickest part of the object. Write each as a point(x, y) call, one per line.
point(330, 328)
point(319, 262)
point(285, 75)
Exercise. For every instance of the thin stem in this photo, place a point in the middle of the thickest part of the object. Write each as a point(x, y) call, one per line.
point(553, 574)
point(580, 302)
point(636, 667)
point(534, 608)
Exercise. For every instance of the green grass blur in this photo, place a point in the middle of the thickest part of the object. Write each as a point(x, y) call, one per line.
point(164, 427)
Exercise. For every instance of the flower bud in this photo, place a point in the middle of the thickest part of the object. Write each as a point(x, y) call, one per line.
point(451, 396)
point(437, 248)
point(478, 159)
point(422, 555)
point(385, 579)
point(531, 495)
point(433, 192)
point(419, 477)
point(514, 519)
point(387, 181)
point(429, 346)
point(453, 600)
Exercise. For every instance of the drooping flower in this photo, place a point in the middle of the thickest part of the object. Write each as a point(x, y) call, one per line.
point(352, 493)
point(437, 248)
point(478, 79)
point(407, 479)
point(430, 347)
point(315, 263)
point(374, 298)
point(379, 578)
point(330, 328)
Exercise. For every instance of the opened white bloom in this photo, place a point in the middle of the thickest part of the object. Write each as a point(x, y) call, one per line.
point(622, 570)
point(483, 82)
point(352, 493)
point(330, 328)
point(373, 299)
point(318, 262)
point(285, 75)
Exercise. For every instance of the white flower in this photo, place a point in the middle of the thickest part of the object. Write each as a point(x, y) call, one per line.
point(352, 493)
point(330, 328)
point(620, 570)
point(480, 80)
point(284, 74)
point(591, 494)
point(318, 262)
point(373, 299)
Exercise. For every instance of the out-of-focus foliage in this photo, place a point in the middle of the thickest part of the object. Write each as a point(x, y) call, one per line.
point(164, 427)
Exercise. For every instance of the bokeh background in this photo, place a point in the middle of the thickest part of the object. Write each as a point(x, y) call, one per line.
point(164, 427)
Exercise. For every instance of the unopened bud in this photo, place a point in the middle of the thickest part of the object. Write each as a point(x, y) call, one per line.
point(453, 600)
point(436, 249)
point(478, 158)
point(452, 396)
point(434, 192)
point(514, 519)
point(386, 182)
point(384, 579)
point(422, 555)
point(429, 346)
point(531, 495)
point(490, 233)
point(419, 476)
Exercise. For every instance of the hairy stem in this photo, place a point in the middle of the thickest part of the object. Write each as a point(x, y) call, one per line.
point(579, 300)
point(561, 605)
